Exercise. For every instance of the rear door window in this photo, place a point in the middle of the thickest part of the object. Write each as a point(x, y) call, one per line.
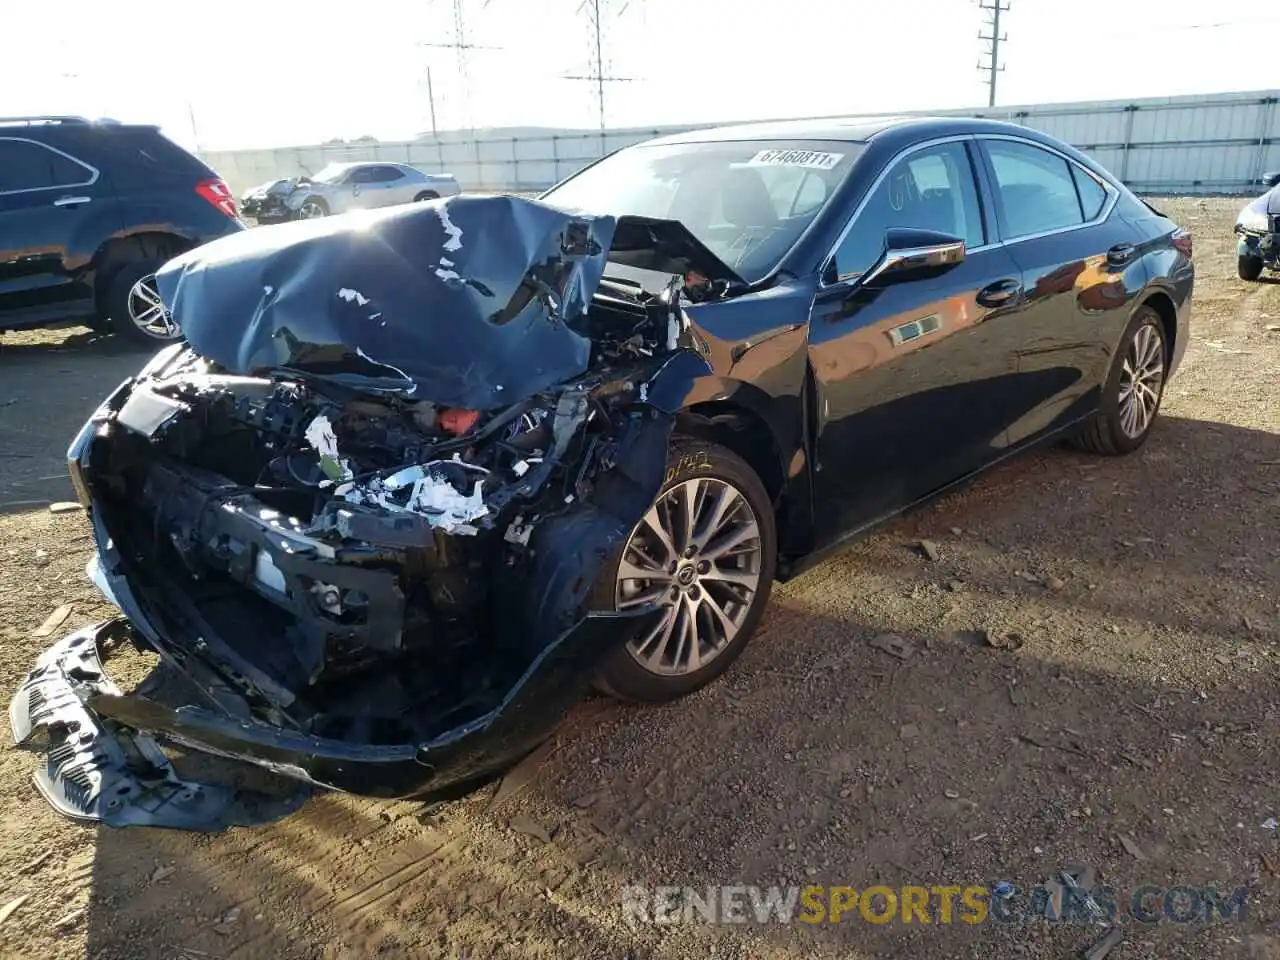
point(27, 165)
point(1037, 189)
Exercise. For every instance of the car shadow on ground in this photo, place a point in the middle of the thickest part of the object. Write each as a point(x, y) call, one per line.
point(820, 759)
point(50, 381)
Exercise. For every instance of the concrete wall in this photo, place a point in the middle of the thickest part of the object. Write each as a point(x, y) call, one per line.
point(1218, 143)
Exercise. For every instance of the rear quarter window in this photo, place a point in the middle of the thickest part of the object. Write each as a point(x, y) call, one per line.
point(1092, 197)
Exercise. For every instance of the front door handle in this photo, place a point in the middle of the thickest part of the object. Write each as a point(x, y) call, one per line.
point(70, 201)
point(1121, 253)
point(999, 293)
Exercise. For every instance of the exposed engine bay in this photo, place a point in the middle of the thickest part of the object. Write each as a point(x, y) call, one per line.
point(364, 510)
point(405, 523)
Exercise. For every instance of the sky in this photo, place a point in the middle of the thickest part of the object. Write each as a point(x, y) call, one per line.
point(240, 74)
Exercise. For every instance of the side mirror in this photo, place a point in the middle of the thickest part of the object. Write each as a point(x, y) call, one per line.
point(912, 253)
point(1271, 179)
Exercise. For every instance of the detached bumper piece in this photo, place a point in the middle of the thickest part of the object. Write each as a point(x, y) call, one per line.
point(100, 766)
point(99, 771)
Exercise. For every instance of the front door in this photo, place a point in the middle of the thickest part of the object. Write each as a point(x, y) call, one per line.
point(45, 197)
point(913, 379)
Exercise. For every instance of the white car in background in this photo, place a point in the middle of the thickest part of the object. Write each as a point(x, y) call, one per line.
point(341, 187)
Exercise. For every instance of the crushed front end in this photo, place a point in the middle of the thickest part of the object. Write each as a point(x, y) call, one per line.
point(363, 511)
point(1257, 230)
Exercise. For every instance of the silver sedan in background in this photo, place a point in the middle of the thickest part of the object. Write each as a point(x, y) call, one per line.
point(341, 187)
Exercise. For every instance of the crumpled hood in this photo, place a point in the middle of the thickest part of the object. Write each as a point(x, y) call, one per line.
point(280, 185)
point(1270, 201)
point(461, 301)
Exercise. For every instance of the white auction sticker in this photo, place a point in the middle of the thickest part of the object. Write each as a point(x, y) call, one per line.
point(812, 159)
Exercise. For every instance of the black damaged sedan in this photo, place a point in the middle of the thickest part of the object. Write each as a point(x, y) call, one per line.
point(423, 476)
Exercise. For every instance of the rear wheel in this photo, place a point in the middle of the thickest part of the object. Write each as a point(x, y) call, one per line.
point(705, 552)
point(1133, 391)
point(134, 306)
point(426, 195)
point(1249, 267)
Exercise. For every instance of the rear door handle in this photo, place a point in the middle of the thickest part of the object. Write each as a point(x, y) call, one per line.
point(1121, 253)
point(999, 293)
point(70, 201)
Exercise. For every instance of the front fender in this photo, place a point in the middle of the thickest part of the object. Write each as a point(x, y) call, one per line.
point(687, 381)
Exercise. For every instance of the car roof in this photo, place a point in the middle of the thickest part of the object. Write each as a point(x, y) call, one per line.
point(348, 164)
point(847, 129)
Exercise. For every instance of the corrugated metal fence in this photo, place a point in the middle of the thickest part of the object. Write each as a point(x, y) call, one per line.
point(1219, 143)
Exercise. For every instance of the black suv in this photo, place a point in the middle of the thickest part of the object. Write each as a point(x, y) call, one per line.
point(88, 212)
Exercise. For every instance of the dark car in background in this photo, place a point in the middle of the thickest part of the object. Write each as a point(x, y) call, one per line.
point(1258, 230)
point(89, 210)
point(418, 480)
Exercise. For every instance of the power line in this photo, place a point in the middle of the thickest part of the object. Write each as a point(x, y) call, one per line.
point(595, 9)
point(991, 54)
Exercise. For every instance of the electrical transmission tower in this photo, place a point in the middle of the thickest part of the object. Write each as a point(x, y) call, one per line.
point(991, 54)
point(598, 73)
point(461, 49)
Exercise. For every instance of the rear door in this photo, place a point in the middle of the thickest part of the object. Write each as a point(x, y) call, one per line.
point(46, 199)
point(1080, 269)
point(395, 186)
point(913, 381)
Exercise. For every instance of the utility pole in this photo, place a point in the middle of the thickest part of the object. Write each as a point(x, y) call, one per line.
point(598, 74)
point(431, 102)
point(195, 133)
point(992, 52)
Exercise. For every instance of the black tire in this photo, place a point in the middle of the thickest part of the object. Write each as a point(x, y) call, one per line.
point(1249, 267)
point(1103, 433)
point(316, 202)
point(117, 302)
point(426, 195)
point(620, 674)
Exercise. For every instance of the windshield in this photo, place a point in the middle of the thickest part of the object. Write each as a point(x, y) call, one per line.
point(331, 174)
point(748, 201)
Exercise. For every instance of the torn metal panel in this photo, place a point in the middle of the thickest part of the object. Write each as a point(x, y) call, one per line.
point(368, 299)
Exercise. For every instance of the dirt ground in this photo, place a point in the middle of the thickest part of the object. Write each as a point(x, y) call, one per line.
point(1143, 703)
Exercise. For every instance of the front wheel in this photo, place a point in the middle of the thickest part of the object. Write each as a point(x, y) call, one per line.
point(135, 308)
point(1248, 266)
point(1133, 391)
point(706, 552)
point(313, 208)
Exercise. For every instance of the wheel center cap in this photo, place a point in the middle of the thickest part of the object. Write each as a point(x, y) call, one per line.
point(685, 576)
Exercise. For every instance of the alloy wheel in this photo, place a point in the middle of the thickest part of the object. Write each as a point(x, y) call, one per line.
point(697, 553)
point(147, 312)
point(1141, 381)
point(310, 211)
